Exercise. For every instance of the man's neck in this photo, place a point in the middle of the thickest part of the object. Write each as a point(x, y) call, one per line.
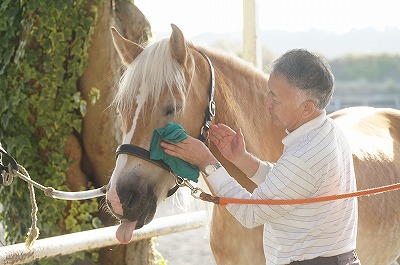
point(310, 117)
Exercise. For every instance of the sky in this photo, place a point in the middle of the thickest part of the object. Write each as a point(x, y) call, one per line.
point(194, 17)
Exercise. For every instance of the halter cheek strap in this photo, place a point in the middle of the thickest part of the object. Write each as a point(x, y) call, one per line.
point(210, 112)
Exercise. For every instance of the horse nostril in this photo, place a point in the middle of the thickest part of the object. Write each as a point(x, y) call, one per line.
point(131, 200)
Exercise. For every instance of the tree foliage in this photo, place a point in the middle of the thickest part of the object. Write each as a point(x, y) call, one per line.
point(42, 54)
point(370, 67)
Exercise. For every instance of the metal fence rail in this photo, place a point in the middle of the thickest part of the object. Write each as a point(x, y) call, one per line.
point(97, 238)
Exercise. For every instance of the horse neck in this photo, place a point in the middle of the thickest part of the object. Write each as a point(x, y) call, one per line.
point(241, 97)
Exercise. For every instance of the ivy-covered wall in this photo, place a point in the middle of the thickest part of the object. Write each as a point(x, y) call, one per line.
point(43, 52)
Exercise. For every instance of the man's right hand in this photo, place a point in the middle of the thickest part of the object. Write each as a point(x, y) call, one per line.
point(230, 143)
point(232, 146)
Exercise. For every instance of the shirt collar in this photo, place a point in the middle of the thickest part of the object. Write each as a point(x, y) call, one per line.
point(303, 129)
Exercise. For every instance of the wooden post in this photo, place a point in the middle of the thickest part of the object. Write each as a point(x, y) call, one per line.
point(251, 43)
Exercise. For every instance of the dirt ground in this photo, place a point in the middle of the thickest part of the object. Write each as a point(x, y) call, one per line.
point(185, 248)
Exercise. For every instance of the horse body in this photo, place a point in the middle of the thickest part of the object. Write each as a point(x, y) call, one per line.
point(375, 141)
point(169, 81)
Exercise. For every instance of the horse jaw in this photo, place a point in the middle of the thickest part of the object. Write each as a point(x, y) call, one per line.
point(127, 50)
point(177, 45)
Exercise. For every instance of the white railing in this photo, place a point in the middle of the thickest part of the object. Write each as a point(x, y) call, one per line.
point(97, 238)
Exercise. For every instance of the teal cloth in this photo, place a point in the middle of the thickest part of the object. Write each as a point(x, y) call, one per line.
point(174, 133)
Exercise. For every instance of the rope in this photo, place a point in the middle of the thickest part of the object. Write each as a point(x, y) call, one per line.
point(33, 232)
point(8, 177)
point(224, 201)
point(51, 192)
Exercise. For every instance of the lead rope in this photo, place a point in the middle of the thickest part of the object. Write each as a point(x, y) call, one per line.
point(224, 201)
point(33, 232)
point(198, 193)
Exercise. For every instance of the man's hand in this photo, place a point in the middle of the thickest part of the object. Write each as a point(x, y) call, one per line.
point(232, 146)
point(230, 143)
point(192, 151)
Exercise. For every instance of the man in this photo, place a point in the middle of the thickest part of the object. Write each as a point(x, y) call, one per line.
point(316, 161)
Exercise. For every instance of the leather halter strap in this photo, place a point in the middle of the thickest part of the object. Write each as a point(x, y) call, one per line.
point(134, 150)
point(130, 149)
point(210, 112)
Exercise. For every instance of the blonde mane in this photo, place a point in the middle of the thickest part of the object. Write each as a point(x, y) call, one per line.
point(148, 75)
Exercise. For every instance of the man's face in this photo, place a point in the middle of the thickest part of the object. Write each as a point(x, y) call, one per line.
point(284, 103)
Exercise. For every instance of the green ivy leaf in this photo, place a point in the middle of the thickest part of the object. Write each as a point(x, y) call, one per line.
point(82, 107)
point(96, 222)
point(43, 52)
point(94, 95)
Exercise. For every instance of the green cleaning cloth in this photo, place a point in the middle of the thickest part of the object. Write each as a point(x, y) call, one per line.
point(174, 133)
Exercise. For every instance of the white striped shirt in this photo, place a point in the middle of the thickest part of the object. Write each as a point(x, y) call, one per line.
point(316, 161)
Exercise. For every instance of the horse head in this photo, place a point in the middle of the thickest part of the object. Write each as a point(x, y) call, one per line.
point(168, 81)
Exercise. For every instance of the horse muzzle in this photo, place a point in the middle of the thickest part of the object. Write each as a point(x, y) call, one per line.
point(129, 196)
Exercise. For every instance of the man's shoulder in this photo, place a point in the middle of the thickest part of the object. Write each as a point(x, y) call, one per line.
point(319, 140)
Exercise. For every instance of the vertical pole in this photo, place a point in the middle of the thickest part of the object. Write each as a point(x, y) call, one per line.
point(251, 42)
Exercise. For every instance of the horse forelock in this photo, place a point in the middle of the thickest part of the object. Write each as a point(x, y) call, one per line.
point(146, 78)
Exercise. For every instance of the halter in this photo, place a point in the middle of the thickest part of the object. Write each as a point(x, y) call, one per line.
point(134, 150)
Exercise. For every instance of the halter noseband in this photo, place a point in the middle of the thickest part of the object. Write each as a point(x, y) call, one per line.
point(134, 150)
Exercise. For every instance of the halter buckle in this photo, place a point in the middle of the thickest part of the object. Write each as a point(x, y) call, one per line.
point(211, 108)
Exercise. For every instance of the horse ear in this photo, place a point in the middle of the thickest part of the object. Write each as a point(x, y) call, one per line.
point(127, 50)
point(177, 45)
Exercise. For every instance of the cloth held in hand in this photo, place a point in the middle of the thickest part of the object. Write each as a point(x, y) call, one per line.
point(174, 133)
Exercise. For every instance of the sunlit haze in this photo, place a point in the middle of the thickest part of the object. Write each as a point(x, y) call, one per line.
point(340, 16)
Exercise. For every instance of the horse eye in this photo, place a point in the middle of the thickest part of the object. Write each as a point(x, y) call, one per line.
point(171, 110)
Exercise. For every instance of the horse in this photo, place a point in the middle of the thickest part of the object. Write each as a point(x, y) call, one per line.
point(170, 81)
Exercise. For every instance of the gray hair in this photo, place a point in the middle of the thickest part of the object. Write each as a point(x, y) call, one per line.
point(308, 72)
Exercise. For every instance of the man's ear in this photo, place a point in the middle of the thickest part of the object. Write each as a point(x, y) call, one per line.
point(309, 108)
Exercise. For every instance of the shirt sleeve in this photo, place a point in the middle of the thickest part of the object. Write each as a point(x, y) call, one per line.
point(289, 178)
point(262, 171)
